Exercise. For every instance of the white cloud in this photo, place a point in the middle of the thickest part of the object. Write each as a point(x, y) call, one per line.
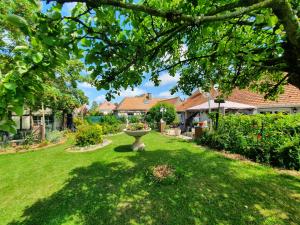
point(130, 93)
point(85, 85)
point(165, 94)
point(100, 98)
point(165, 78)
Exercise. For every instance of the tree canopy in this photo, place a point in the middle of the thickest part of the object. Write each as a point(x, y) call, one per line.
point(235, 43)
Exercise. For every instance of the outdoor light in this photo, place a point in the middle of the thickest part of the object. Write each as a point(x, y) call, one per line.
point(294, 110)
point(219, 101)
point(162, 110)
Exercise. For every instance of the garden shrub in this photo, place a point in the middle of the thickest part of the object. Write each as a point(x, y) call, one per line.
point(54, 136)
point(134, 119)
point(88, 135)
point(272, 139)
point(112, 128)
point(111, 124)
point(78, 121)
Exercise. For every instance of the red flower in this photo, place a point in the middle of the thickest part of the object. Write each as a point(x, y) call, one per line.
point(259, 136)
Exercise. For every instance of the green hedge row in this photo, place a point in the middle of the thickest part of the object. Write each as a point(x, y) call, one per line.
point(273, 139)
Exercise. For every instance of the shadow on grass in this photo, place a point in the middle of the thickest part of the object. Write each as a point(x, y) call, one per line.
point(123, 148)
point(213, 192)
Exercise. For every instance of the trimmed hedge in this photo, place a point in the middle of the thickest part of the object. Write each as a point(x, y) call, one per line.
point(273, 139)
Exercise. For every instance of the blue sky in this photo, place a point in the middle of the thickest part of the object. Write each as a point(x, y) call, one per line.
point(167, 81)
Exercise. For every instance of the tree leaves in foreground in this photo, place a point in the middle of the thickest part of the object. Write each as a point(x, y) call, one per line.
point(35, 58)
point(233, 43)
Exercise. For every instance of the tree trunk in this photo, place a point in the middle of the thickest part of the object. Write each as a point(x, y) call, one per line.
point(43, 134)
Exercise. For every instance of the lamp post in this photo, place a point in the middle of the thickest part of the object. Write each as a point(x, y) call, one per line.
point(162, 110)
point(208, 96)
point(219, 101)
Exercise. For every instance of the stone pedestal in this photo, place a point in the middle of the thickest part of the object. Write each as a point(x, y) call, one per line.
point(138, 145)
point(162, 126)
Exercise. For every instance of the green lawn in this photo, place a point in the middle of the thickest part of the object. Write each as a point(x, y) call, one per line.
point(107, 187)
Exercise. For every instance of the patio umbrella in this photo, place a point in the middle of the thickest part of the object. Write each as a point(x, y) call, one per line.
point(226, 105)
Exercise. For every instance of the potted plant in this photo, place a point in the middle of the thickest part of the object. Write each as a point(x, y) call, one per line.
point(137, 130)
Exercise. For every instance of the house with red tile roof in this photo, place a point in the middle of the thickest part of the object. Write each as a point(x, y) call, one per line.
point(242, 101)
point(141, 104)
point(107, 107)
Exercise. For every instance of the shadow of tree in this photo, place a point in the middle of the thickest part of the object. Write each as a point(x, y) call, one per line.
point(212, 192)
point(123, 148)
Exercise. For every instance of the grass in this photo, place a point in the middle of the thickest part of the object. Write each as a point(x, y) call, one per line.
point(108, 187)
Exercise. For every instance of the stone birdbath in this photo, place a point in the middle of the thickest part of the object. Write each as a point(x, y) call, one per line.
point(138, 145)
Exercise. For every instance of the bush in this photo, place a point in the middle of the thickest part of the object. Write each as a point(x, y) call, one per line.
point(110, 124)
point(88, 135)
point(155, 115)
point(112, 128)
point(271, 139)
point(134, 119)
point(29, 139)
point(110, 119)
point(54, 136)
point(78, 121)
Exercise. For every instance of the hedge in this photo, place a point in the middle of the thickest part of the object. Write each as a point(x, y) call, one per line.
point(273, 139)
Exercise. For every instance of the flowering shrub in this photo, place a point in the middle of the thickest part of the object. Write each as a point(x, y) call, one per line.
point(88, 135)
point(271, 139)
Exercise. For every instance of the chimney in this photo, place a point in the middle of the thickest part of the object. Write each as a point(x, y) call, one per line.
point(149, 96)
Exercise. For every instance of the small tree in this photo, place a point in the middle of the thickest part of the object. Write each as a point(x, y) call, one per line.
point(155, 114)
point(94, 109)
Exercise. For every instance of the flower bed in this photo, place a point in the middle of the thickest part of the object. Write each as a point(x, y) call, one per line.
point(89, 148)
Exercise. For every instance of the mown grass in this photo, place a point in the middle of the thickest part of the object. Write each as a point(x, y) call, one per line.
point(107, 186)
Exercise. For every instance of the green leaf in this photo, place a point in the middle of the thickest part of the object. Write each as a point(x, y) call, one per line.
point(34, 2)
point(272, 21)
point(48, 40)
point(21, 48)
point(259, 19)
point(55, 15)
point(38, 57)
point(22, 69)
point(10, 86)
point(8, 126)
point(18, 109)
point(19, 22)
